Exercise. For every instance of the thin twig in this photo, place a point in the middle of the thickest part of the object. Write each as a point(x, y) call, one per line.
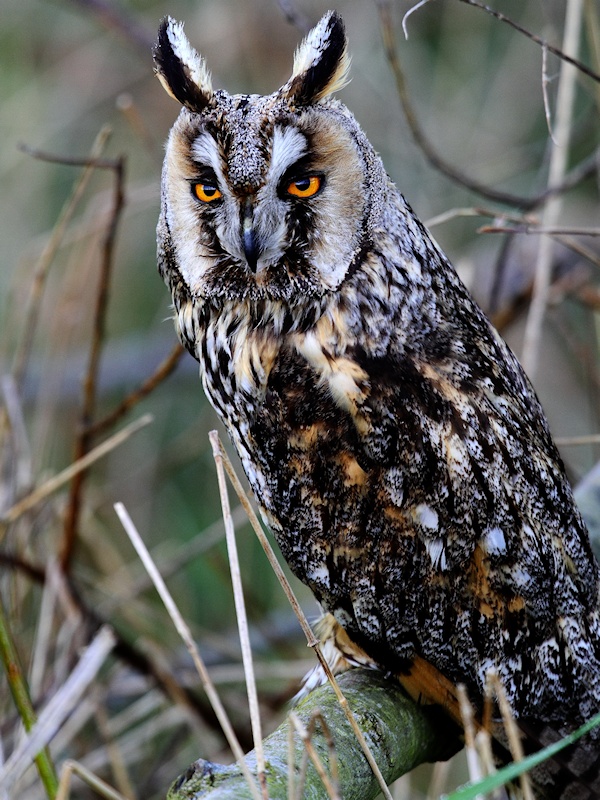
point(84, 438)
point(90, 162)
point(563, 54)
point(186, 635)
point(312, 641)
point(31, 314)
point(305, 735)
point(577, 441)
point(541, 229)
point(545, 82)
point(294, 16)
point(429, 151)
point(131, 113)
point(117, 19)
point(99, 786)
point(242, 618)
point(579, 248)
point(164, 369)
point(585, 169)
point(73, 469)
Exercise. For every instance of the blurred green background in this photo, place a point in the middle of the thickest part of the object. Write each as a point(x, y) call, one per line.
point(69, 68)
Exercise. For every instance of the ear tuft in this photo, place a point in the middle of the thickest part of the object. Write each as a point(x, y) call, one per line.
point(321, 63)
point(180, 69)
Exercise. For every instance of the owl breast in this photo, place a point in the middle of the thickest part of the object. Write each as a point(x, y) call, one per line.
point(387, 491)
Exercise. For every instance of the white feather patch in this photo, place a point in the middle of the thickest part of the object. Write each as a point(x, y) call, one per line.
point(189, 57)
point(311, 50)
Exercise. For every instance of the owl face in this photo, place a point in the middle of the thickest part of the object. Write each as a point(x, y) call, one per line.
point(251, 184)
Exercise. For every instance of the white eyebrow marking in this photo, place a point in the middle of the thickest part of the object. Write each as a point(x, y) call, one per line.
point(288, 146)
point(205, 151)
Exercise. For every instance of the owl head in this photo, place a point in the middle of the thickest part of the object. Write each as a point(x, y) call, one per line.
point(264, 197)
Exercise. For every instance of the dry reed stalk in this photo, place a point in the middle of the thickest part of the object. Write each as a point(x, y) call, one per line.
point(558, 165)
point(57, 709)
point(186, 635)
point(54, 483)
point(242, 618)
point(312, 641)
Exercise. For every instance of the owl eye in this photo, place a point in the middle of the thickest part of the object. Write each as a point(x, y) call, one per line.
point(206, 192)
point(307, 186)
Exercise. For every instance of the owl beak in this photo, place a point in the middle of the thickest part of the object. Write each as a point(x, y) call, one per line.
point(252, 249)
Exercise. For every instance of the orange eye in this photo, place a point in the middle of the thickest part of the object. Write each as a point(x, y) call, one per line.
point(206, 192)
point(305, 187)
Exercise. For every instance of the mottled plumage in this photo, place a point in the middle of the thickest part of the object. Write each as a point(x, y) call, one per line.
point(395, 446)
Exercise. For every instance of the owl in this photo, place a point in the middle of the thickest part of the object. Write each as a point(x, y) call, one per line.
point(395, 446)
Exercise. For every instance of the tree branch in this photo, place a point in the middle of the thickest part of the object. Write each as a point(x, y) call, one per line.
point(401, 734)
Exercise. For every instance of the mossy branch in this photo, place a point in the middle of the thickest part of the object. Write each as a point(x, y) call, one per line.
point(401, 734)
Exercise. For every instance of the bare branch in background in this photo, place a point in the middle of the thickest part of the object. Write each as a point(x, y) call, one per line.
point(537, 39)
point(162, 372)
point(31, 314)
point(587, 168)
point(421, 139)
point(84, 438)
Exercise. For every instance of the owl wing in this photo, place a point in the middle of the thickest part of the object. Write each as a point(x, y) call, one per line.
point(472, 479)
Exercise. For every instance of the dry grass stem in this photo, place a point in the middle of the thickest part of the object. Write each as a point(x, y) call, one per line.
point(240, 610)
point(44, 631)
point(439, 779)
point(127, 582)
point(312, 641)
point(317, 717)
point(478, 211)
point(93, 781)
point(50, 486)
point(58, 708)
point(466, 712)
point(306, 734)
point(291, 764)
point(548, 231)
point(558, 165)
point(186, 635)
point(116, 758)
point(18, 428)
point(511, 730)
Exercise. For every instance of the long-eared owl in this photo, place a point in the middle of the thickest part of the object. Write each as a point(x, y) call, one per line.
point(395, 447)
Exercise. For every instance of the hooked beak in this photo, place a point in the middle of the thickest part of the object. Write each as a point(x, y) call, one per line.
point(252, 249)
